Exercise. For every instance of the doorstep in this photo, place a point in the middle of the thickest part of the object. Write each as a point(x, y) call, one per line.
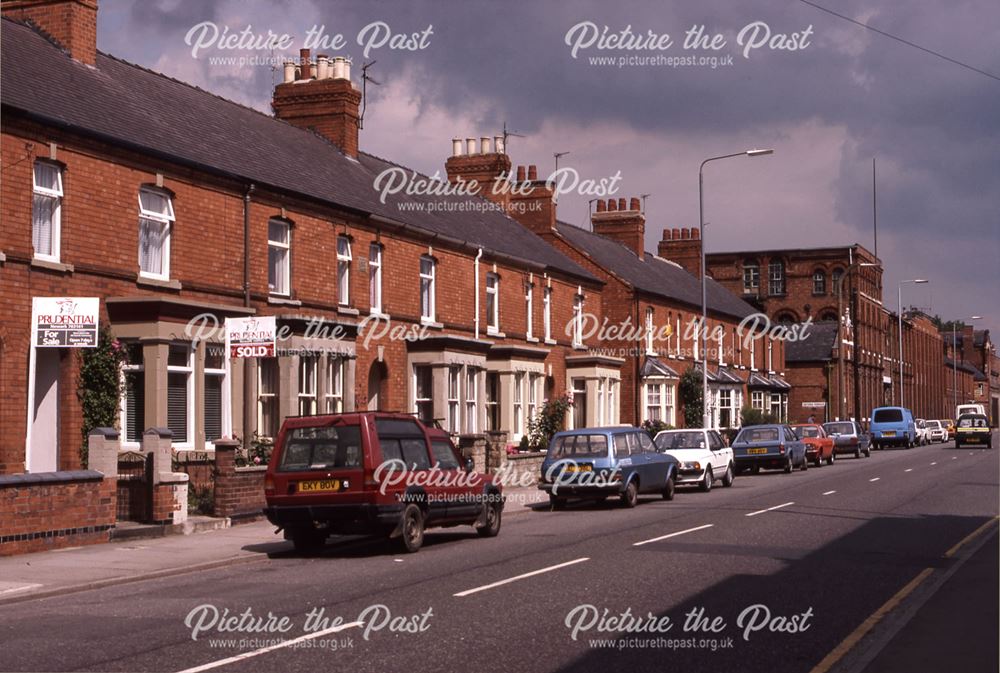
point(133, 530)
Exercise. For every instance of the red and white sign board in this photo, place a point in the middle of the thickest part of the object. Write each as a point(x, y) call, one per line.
point(251, 337)
point(65, 322)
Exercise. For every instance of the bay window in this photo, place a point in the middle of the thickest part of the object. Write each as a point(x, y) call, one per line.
point(216, 398)
point(454, 399)
point(423, 386)
point(334, 393)
point(471, 399)
point(133, 408)
point(267, 397)
point(180, 392)
point(307, 385)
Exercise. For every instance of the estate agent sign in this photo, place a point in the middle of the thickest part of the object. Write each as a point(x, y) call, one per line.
point(64, 322)
point(250, 337)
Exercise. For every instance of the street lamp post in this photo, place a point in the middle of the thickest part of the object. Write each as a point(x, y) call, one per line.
point(899, 315)
point(704, 274)
point(954, 359)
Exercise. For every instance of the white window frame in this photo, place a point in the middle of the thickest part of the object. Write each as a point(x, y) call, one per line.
point(612, 404)
point(344, 258)
point(307, 385)
point(225, 420)
point(730, 393)
point(722, 344)
point(649, 331)
point(417, 400)
point(333, 394)
point(427, 286)
point(601, 383)
point(518, 404)
point(658, 394)
point(757, 400)
point(55, 224)
point(578, 320)
point(753, 352)
point(492, 303)
point(375, 278)
point(776, 278)
point(770, 357)
point(753, 287)
point(187, 369)
point(270, 397)
point(454, 392)
point(547, 313)
point(165, 220)
point(533, 380)
point(529, 304)
point(283, 273)
point(123, 407)
point(471, 400)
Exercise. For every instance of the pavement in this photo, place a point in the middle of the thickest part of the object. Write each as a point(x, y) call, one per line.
point(820, 571)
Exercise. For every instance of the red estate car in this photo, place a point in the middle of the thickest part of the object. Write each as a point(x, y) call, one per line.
point(373, 473)
point(819, 446)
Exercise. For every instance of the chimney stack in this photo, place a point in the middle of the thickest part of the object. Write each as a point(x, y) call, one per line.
point(481, 163)
point(328, 105)
point(71, 23)
point(682, 246)
point(621, 220)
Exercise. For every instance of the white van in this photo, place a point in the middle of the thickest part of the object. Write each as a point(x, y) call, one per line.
point(969, 409)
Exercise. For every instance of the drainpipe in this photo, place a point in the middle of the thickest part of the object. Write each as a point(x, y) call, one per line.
point(479, 256)
point(247, 403)
point(636, 384)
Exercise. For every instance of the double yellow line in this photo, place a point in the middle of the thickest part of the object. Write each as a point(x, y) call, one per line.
point(866, 626)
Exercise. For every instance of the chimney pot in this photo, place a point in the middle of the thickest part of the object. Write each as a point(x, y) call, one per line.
point(634, 205)
point(677, 234)
point(484, 145)
point(303, 64)
point(532, 172)
point(621, 203)
point(456, 147)
point(347, 68)
point(666, 234)
point(685, 233)
point(470, 146)
point(612, 205)
point(289, 71)
point(602, 205)
point(322, 66)
point(695, 234)
point(498, 145)
point(520, 173)
point(338, 67)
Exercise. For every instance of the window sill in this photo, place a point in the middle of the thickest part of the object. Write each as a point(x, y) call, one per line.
point(283, 301)
point(379, 315)
point(157, 282)
point(49, 265)
point(347, 310)
point(531, 339)
point(550, 342)
point(493, 332)
point(431, 323)
point(579, 347)
point(3, 258)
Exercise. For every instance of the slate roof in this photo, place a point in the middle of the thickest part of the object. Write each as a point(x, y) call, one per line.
point(653, 274)
point(818, 345)
point(656, 367)
point(131, 106)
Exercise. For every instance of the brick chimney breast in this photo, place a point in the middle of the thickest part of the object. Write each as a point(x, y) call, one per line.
point(621, 223)
point(682, 246)
point(329, 107)
point(71, 23)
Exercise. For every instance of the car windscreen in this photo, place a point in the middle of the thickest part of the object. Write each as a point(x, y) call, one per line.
point(579, 446)
point(332, 447)
point(749, 435)
point(807, 431)
point(888, 416)
point(972, 422)
point(680, 440)
point(934, 425)
point(839, 428)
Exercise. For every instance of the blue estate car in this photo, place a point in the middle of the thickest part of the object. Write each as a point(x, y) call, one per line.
point(773, 446)
point(599, 462)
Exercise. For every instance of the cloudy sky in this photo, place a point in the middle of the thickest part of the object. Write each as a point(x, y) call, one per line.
point(844, 96)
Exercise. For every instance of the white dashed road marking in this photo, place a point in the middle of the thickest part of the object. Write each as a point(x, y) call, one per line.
point(770, 509)
point(829, 493)
point(664, 537)
point(875, 479)
point(909, 469)
point(492, 585)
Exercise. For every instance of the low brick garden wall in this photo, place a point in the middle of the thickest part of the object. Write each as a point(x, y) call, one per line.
point(50, 510)
point(239, 491)
point(523, 469)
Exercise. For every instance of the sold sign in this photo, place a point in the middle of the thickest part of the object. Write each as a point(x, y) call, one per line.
point(250, 337)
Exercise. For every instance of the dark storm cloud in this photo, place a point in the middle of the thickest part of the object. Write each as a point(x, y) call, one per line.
point(933, 125)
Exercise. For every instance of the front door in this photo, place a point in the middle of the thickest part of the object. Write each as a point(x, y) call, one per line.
point(43, 455)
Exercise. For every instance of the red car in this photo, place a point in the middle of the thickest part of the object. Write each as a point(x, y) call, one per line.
point(373, 473)
point(819, 446)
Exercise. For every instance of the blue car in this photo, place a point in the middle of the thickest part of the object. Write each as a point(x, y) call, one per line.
point(594, 463)
point(773, 447)
point(892, 426)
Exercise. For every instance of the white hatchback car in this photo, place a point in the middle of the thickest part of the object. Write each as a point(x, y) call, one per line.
point(936, 432)
point(703, 456)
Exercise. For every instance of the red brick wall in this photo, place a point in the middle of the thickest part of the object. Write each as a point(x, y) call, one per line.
point(44, 516)
point(239, 492)
point(71, 23)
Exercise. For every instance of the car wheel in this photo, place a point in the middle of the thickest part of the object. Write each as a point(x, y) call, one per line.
point(957, 445)
point(669, 488)
point(308, 541)
point(805, 463)
point(630, 497)
point(832, 458)
point(557, 503)
point(492, 525)
point(819, 460)
point(412, 537)
point(868, 452)
point(728, 477)
point(707, 481)
point(788, 465)
point(857, 452)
